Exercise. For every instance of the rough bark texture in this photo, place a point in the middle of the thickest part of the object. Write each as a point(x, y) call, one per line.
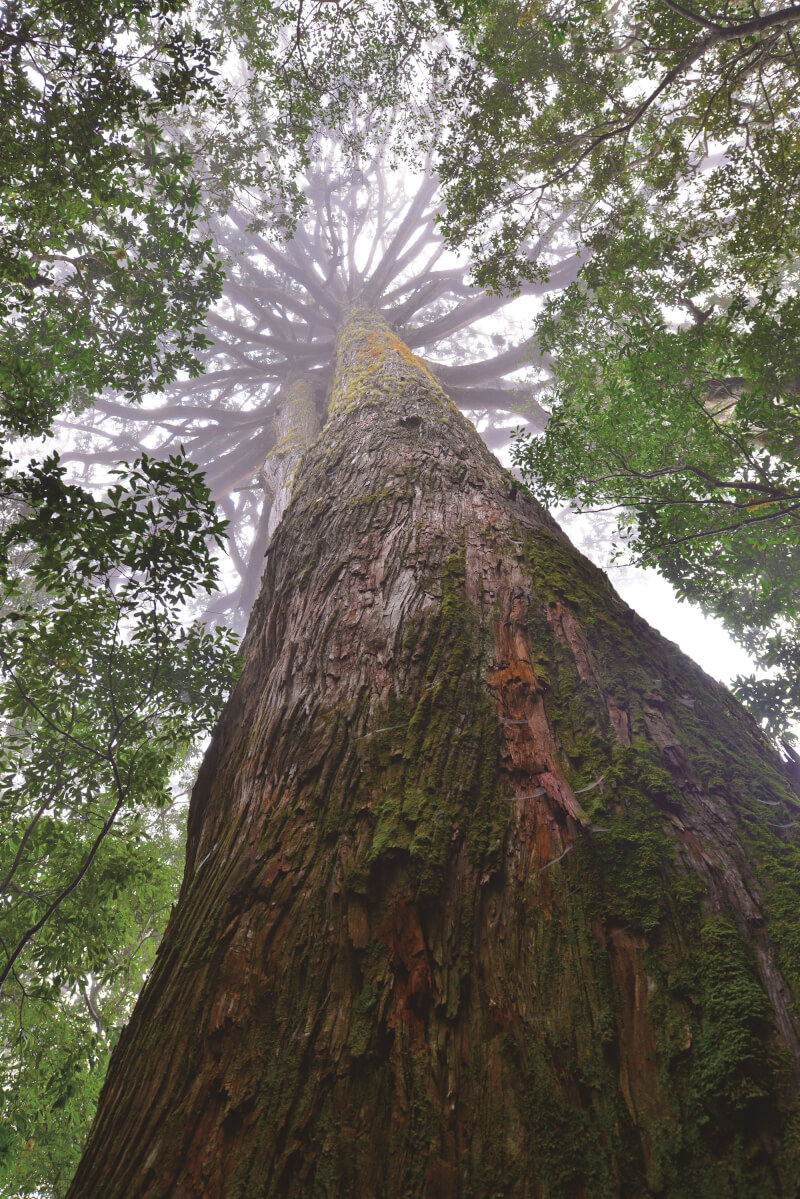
point(490, 891)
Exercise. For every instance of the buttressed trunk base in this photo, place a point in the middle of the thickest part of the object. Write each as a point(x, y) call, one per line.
point(489, 889)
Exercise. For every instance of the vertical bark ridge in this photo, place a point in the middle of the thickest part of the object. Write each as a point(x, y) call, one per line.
point(484, 894)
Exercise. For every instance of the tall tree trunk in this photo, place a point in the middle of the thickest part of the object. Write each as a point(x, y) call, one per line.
point(489, 889)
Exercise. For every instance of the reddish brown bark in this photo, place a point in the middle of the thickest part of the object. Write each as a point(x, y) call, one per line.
point(483, 895)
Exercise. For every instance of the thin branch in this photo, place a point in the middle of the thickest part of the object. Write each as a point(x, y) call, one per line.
point(5, 883)
point(695, 18)
point(63, 894)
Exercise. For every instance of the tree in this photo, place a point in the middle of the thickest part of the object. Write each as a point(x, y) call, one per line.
point(369, 229)
point(298, 393)
point(269, 364)
point(665, 133)
point(105, 688)
point(488, 890)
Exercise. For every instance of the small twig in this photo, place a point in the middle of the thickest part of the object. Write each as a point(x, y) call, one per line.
point(6, 882)
point(553, 861)
point(33, 930)
point(589, 786)
point(530, 795)
point(389, 729)
point(87, 998)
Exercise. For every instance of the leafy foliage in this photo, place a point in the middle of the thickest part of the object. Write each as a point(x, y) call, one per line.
point(693, 435)
point(305, 69)
point(665, 136)
point(58, 1039)
point(615, 113)
point(105, 280)
point(104, 690)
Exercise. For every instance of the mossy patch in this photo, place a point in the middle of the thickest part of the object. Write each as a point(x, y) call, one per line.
point(737, 1021)
point(438, 768)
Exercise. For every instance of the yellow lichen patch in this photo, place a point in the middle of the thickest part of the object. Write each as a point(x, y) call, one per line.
point(370, 359)
point(285, 445)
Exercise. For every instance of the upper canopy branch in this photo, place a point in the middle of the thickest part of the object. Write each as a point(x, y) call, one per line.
point(781, 21)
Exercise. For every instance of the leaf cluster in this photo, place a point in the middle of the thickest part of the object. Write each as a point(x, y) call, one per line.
point(104, 690)
point(665, 135)
point(302, 70)
point(105, 279)
point(617, 113)
point(691, 434)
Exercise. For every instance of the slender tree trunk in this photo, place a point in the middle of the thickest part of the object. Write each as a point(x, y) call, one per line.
point(490, 891)
point(296, 427)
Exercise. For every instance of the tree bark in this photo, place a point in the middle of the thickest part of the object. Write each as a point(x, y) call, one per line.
point(489, 889)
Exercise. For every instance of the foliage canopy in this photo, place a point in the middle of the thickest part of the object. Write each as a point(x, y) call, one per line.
point(666, 136)
point(105, 280)
point(105, 688)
